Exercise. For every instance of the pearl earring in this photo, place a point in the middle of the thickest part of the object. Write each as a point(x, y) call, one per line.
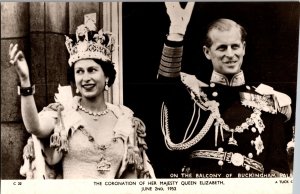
point(106, 86)
point(77, 91)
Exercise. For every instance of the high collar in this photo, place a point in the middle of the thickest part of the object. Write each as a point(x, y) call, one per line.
point(237, 80)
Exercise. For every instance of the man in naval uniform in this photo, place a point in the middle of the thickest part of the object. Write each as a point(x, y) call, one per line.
point(225, 127)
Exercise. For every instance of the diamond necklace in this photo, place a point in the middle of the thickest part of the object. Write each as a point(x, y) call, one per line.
point(95, 114)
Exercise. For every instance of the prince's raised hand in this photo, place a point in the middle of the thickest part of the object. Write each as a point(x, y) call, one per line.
point(179, 18)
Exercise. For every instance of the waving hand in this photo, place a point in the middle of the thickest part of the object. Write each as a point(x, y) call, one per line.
point(179, 17)
point(17, 59)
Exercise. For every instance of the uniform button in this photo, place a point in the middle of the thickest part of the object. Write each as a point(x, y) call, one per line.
point(247, 167)
point(248, 87)
point(215, 94)
point(253, 129)
point(220, 163)
point(212, 85)
point(250, 155)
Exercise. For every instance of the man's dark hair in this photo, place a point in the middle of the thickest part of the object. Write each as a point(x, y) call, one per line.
point(223, 24)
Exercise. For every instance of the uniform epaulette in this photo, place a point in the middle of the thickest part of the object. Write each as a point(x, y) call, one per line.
point(267, 99)
point(192, 82)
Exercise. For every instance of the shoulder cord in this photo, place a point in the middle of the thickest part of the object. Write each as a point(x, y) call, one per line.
point(186, 132)
point(186, 143)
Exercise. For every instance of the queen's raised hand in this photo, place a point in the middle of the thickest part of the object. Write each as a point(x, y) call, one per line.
point(17, 59)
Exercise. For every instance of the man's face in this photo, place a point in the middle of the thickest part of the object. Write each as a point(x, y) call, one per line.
point(227, 51)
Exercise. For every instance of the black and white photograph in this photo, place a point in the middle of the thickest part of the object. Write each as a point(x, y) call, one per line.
point(149, 97)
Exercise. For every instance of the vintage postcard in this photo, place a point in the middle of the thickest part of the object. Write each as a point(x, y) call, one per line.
point(149, 97)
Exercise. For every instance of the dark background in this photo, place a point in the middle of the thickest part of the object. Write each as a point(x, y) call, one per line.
point(271, 49)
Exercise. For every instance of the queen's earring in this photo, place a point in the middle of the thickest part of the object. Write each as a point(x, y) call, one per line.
point(77, 91)
point(106, 85)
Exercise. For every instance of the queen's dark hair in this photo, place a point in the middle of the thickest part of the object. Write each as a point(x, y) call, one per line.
point(107, 67)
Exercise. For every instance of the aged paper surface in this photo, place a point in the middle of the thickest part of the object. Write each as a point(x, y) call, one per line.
point(140, 37)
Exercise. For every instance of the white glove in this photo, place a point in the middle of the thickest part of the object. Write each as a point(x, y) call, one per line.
point(179, 17)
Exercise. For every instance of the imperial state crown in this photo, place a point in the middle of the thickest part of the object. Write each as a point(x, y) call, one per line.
point(90, 44)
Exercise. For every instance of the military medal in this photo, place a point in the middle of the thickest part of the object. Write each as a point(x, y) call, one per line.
point(258, 143)
point(231, 140)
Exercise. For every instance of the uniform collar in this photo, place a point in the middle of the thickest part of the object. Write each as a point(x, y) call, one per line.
point(237, 80)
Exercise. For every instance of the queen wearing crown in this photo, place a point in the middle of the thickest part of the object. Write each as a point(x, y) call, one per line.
point(86, 136)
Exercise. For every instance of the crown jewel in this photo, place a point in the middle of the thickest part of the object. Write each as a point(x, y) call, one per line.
point(90, 44)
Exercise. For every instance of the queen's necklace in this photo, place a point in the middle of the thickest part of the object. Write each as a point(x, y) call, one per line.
point(95, 114)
